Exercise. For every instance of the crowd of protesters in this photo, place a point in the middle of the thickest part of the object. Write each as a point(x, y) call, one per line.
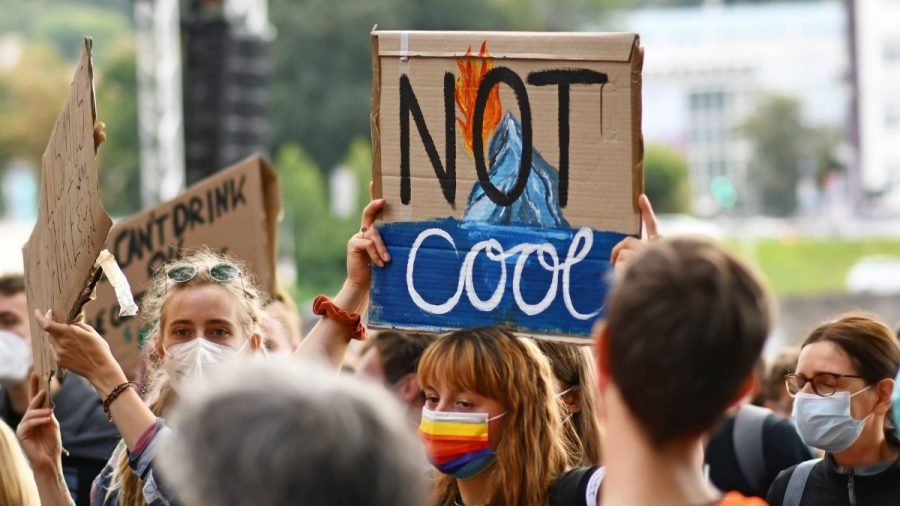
point(671, 405)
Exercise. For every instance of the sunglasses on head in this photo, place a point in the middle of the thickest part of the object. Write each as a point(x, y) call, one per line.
point(222, 272)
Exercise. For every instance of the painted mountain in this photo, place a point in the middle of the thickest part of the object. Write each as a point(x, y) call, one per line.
point(539, 204)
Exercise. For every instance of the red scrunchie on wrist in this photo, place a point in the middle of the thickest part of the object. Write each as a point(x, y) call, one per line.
point(323, 306)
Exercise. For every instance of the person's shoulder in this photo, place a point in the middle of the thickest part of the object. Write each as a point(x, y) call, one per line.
point(778, 426)
point(780, 484)
point(780, 437)
point(738, 499)
point(572, 487)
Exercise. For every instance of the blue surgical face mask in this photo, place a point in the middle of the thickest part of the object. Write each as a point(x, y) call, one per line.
point(825, 422)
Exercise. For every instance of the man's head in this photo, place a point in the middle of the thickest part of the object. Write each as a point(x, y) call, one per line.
point(14, 305)
point(392, 358)
point(303, 433)
point(685, 324)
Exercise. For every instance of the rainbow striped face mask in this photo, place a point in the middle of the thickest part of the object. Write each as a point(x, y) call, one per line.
point(457, 443)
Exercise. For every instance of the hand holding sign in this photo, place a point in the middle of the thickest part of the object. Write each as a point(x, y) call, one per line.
point(366, 248)
point(39, 432)
point(629, 246)
point(82, 350)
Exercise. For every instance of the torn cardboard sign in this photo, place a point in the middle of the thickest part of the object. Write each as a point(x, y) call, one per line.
point(235, 210)
point(72, 225)
point(511, 165)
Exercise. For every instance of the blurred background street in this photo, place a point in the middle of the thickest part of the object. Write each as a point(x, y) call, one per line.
point(773, 126)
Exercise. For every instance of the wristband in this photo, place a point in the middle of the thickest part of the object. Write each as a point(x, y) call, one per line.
point(116, 393)
point(323, 306)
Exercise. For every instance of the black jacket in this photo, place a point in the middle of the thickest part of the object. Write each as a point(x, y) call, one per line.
point(781, 448)
point(86, 433)
point(831, 485)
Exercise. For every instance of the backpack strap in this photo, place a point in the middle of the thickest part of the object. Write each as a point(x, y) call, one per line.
point(797, 483)
point(748, 444)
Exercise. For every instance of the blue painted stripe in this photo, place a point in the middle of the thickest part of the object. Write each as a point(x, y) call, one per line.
point(459, 463)
point(437, 272)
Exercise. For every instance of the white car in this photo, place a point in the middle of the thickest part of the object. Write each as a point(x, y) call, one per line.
point(876, 274)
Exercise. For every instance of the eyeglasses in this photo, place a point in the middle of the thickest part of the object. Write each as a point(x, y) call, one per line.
point(222, 272)
point(823, 383)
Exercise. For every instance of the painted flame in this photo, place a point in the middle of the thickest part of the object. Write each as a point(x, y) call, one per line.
point(471, 72)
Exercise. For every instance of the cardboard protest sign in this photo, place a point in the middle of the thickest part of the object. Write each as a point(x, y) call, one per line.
point(235, 210)
point(511, 165)
point(72, 225)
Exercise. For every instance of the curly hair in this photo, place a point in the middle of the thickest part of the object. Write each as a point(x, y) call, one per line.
point(161, 394)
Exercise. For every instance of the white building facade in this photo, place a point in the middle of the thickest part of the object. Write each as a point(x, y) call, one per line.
point(707, 68)
point(877, 33)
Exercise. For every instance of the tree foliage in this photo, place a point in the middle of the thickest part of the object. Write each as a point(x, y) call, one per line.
point(323, 57)
point(666, 180)
point(782, 148)
point(31, 94)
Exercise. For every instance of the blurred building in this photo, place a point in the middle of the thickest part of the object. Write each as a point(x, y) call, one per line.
point(876, 32)
point(227, 71)
point(707, 67)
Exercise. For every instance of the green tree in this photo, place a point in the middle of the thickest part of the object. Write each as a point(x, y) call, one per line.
point(783, 146)
point(119, 166)
point(32, 93)
point(323, 62)
point(666, 180)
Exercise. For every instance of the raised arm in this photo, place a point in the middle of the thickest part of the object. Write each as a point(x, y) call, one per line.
point(82, 350)
point(330, 337)
point(628, 247)
point(42, 443)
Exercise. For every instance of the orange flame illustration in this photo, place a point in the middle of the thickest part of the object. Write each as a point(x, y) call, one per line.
point(471, 72)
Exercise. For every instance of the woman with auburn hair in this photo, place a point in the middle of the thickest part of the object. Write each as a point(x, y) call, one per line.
point(17, 486)
point(842, 391)
point(491, 420)
point(573, 368)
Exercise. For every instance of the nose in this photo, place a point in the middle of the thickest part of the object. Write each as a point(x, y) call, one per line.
point(443, 405)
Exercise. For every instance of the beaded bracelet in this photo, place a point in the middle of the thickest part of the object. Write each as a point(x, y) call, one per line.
point(117, 392)
point(323, 306)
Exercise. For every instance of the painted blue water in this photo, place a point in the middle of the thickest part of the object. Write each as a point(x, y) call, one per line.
point(538, 206)
point(437, 271)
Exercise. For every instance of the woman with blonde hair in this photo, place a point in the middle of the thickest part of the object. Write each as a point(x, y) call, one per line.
point(573, 368)
point(17, 486)
point(204, 310)
point(491, 421)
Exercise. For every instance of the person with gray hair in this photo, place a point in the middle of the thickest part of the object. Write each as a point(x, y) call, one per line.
point(278, 432)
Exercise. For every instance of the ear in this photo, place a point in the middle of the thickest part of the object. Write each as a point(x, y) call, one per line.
point(408, 387)
point(256, 342)
point(601, 351)
point(885, 389)
point(572, 400)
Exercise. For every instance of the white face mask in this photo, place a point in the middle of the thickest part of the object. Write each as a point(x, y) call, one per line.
point(195, 358)
point(825, 422)
point(15, 359)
